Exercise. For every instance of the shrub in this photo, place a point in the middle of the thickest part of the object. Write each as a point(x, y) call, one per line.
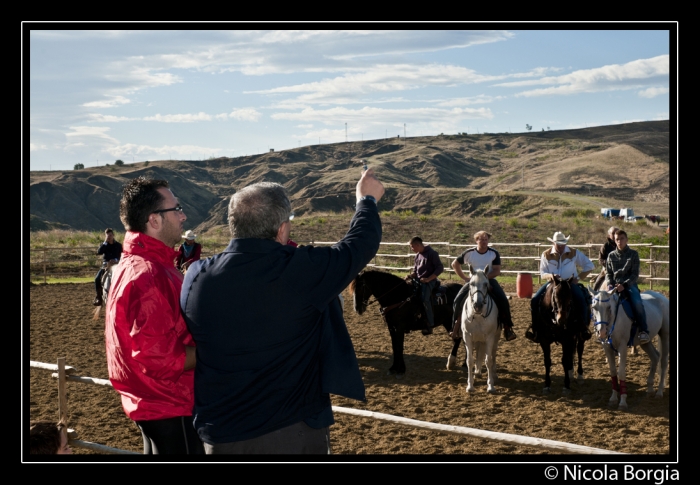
point(78, 166)
point(531, 224)
point(459, 224)
point(119, 163)
point(513, 222)
point(145, 164)
point(423, 218)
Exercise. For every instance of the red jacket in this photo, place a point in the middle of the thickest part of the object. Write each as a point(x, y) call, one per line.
point(145, 333)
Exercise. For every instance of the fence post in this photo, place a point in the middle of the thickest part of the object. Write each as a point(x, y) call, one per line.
point(651, 268)
point(449, 255)
point(62, 401)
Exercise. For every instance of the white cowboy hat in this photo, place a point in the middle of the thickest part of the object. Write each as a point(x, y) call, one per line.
point(189, 235)
point(559, 238)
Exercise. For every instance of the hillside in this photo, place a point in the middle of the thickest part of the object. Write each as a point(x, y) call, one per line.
point(522, 174)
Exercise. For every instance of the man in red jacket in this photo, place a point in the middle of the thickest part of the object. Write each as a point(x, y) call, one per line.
point(150, 352)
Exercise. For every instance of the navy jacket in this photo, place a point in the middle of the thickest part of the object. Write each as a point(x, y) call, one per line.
point(271, 339)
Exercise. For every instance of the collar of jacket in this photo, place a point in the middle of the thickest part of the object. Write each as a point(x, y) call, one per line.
point(253, 245)
point(142, 244)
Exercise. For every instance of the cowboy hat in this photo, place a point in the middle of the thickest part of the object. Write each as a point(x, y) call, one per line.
point(189, 235)
point(559, 238)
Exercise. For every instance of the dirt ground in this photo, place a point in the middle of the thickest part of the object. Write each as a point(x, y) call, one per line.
point(61, 325)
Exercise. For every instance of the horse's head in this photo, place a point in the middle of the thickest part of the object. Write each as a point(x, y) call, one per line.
point(360, 294)
point(478, 288)
point(602, 310)
point(561, 299)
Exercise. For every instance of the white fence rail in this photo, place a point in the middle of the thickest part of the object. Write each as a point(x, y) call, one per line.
point(65, 373)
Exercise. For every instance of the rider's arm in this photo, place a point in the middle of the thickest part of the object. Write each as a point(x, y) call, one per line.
point(544, 269)
point(585, 264)
point(495, 271)
point(190, 357)
point(458, 270)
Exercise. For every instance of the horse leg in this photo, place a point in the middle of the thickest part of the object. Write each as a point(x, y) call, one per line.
point(470, 362)
point(622, 376)
point(452, 358)
point(479, 353)
point(398, 366)
point(547, 351)
point(567, 362)
point(664, 345)
point(654, 357)
point(491, 363)
point(579, 350)
point(610, 357)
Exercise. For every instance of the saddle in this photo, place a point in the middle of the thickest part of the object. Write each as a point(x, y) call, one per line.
point(439, 296)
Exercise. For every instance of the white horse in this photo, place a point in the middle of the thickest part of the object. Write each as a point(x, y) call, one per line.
point(613, 328)
point(106, 284)
point(480, 328)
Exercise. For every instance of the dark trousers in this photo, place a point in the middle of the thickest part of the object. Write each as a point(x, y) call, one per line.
point(499, 298)
point(98, 281)
point(426, 293)
point(171, 436)
point(297, 439)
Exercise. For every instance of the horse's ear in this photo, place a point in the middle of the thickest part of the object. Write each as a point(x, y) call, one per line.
point(486, 269)
point(471, 270)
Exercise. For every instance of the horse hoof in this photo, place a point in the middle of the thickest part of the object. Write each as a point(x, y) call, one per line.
point(612, 404)
point(546, 390)
point(492, 390)
point(566, 391)
point(451, 362)
point(622, 407)
point(400, 375)
point(579, 379)
point(659, 395)
point(470, 390)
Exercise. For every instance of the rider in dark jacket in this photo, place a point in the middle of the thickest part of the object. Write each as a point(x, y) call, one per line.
point(111, 251)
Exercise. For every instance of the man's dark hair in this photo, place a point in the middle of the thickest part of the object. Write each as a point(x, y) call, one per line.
point(108, 230)
point(415, 239)
point(44, 437)
point(619, 232)
point(140, 198)
point(258, 210)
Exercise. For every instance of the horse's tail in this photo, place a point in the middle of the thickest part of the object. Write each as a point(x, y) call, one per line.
point(96, 314)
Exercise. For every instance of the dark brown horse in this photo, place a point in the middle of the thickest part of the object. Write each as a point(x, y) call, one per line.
point(400, 309)
point(559, 322)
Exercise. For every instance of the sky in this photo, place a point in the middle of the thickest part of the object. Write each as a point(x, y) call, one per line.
point(97, 96)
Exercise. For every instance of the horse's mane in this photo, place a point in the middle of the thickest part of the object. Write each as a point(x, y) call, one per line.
point(382, 276)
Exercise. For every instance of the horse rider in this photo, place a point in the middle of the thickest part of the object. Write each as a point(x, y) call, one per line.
point(479, 257)
point(426, 268)
point(622, 273)
point(563, 261)
point(189, 252)
point(111, 251)
point(606, 249)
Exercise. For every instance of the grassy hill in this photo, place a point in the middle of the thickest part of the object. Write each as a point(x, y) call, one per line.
point(522, 175)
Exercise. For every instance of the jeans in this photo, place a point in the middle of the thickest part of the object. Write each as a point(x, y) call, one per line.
point(637, 307)
point(98, 280)
point(426, 293)
point(295, 439)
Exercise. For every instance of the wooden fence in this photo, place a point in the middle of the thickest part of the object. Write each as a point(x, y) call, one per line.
point(515, 258)
point(65, 373)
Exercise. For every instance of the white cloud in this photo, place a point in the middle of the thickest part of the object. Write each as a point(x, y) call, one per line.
point(110, 103)
point(33, 147)
point(652, 92)
point(371, 115)
point(245, 114)
point(612, 77)
point(305, 126)
point(98, 132)
point(100, 118)
point(179, 118)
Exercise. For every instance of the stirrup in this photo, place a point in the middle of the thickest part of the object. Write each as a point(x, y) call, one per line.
point(508, 334)
point(532, 337)
point(643, 337)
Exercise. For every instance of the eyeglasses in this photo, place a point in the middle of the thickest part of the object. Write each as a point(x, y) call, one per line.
point(176, 208)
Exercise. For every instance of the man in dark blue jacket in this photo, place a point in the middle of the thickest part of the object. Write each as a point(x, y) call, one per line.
point(271, 340)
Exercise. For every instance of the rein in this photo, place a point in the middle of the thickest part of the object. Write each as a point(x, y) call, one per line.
point(390, 307)
point(487, 299)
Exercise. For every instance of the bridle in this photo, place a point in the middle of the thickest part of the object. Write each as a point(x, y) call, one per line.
point(487, 299)
point(555, 303)
point(598, 323)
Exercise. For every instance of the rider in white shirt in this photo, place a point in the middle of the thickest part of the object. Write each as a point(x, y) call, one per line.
point(564, 262)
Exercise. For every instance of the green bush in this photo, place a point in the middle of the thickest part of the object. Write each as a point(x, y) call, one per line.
point(78, 166)
point(145, 164)
point(423, 218)
point(119, 163)
point(513, 222)
point(459, 224)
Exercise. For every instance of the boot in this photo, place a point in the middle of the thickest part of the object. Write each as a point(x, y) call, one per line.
point(508, 334)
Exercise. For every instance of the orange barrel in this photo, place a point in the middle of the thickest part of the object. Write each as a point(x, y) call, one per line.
point(524, 285)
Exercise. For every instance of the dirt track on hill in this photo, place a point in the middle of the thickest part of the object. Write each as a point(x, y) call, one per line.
point(61, 325)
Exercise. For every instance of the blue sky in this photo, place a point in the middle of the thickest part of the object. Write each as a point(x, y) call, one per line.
point(96, 96)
